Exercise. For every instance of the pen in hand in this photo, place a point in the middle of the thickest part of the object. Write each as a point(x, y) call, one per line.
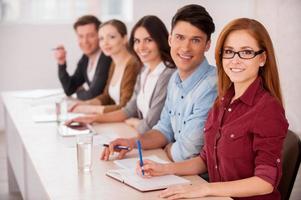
point(140, 154)
point(118, 147)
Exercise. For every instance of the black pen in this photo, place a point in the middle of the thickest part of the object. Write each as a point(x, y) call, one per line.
point(118, 147)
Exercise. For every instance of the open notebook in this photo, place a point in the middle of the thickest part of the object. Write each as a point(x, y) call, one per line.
point(127, 175)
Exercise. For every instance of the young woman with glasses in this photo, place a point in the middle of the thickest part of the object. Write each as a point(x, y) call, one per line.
point(246, 127)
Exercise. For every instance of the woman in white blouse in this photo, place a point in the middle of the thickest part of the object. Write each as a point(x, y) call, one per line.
point(149, 41)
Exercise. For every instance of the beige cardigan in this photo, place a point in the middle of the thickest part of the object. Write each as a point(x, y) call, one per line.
point(128, 81)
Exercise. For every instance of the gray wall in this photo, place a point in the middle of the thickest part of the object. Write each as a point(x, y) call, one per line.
point(26, 61)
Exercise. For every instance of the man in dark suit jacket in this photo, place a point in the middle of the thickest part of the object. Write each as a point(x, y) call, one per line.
point(90, 76)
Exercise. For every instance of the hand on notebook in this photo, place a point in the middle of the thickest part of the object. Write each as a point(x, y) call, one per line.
point(88, 119)
point(186, 191)
point(107, 151)
point(151, 169)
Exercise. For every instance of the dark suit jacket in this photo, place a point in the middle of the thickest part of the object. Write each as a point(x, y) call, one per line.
point(72, 84)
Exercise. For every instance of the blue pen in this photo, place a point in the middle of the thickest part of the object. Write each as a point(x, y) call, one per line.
point(140, 154)
point(118, 147)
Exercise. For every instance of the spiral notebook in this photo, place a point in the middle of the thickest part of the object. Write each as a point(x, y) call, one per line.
point(127, 174)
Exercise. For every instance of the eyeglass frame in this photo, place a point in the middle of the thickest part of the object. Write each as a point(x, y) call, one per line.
point(238, 53)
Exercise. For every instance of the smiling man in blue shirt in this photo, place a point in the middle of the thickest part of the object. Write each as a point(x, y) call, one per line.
point(191, 90)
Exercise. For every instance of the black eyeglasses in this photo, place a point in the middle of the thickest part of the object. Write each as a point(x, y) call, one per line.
point(244, 54)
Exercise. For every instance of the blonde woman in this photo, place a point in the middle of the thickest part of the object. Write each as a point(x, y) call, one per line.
point(123, 71)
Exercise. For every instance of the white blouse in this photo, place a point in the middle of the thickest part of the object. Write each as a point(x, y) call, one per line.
point(148, 82)
point(114, 90)
point(91, 68)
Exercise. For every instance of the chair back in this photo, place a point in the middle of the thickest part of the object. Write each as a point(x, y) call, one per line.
point(291, 157)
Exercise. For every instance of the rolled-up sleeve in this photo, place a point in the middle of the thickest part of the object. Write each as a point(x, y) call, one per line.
point(268, 141)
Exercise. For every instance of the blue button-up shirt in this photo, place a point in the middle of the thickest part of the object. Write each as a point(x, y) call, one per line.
point(185, 111)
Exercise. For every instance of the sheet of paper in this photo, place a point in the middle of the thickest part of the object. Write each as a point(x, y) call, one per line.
point(39, 93)
point(39, 118)
point(130, 163)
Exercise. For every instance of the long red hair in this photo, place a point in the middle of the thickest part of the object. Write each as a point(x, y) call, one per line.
point(268, 73)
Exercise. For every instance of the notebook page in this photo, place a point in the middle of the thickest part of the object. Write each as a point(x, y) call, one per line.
point(146, 184)
point(130, 163)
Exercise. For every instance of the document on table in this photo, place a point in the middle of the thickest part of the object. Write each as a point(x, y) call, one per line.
point(47, 113)
point(40, 118)
point(39, 93)
point(127, 175)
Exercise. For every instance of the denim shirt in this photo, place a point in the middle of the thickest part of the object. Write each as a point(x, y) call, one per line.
point(185, 111)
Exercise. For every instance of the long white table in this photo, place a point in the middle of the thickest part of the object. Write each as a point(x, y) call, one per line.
point(43, 165)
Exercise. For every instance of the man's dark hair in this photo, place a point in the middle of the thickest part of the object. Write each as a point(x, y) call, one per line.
point(87, 19)
point(197, 16)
